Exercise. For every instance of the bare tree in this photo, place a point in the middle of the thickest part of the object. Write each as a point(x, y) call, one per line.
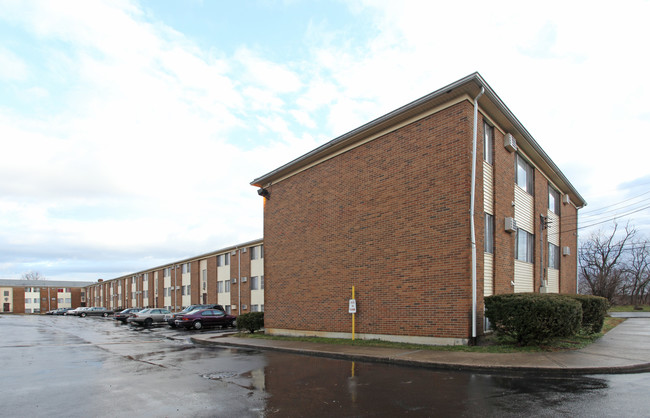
point(601, 259)
point(637, 271)
point(32, 275)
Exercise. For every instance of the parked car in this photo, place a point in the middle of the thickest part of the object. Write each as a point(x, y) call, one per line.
point(95, 311)
point(58, 311)
point(124, 315)
point(76, 311)
point(148, 317)
point(171, 318)
point(201, 318)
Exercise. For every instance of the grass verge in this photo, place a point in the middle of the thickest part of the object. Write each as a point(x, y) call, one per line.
point(629, 308)
point(489, 344)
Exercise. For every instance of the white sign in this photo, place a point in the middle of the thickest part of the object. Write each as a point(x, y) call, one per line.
point(353, 306)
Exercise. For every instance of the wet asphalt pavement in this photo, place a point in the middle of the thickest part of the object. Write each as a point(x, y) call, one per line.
point(74, 367)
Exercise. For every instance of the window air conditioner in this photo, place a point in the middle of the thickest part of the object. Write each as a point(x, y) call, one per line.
point(234, 281)
point(233, 253)
point(511, 225)
point(244, 279)
point(243, 250)
point(510, 143)
point(566, 251)
point(566, 199)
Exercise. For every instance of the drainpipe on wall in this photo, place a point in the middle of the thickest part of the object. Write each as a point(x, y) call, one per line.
point(471, 215)
point(239, 281)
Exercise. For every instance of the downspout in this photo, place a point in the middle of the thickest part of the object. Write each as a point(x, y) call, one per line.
point(471, 215)
point(239, 281)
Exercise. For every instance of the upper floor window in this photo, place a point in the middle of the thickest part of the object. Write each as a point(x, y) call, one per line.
point(167, 272)
point(553, 200)
point(223, 259)
point(257, 252)
point(524, 246)
point(488, 143)
point(186, 268)
point(489, 234)
point(524, 175)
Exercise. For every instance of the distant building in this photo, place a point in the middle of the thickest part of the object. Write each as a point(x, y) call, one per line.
point(232, 276)
point(386, 209)
point(37, 296)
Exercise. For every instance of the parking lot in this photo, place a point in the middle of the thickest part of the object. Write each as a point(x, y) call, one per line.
point(74, 367)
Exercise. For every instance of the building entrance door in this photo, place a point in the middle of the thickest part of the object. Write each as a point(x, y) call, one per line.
point(6, 307)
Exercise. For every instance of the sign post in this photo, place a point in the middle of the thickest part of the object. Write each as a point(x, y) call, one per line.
point(352, 308)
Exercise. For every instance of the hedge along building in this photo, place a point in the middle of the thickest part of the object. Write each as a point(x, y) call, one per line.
point(392, 208)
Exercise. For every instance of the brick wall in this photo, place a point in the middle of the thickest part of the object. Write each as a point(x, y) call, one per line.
point(389, 217)
point(568, 238)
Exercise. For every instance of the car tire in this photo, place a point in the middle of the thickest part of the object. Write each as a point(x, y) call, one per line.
point(172, 324)
point(197, 325)
point(105, 314)
point(148, 322)
point(83, 315)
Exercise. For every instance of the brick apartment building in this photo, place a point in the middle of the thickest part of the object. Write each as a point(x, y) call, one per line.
point(387, 209)
point(39, 296)
point(232, 276)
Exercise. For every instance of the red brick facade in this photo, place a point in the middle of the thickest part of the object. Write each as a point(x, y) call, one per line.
point(389, 214)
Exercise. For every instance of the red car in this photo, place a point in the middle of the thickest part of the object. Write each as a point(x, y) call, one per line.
point(205, 318)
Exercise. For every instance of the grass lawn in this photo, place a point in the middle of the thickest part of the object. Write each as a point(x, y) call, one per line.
point(490, 344)
point(629, 308)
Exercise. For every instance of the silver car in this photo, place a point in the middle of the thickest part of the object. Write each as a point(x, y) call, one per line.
point(148, 317)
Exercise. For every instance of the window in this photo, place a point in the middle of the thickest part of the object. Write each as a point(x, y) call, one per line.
point(28, 300)
point(167, 272)
point(6, 293)
point(28, 289)
point(255, 253)
point(60, 300)
point(261, 282)
point(524, 175)
point(37, 289)
point(220, 260)
point(184, 288)
point(488, 244)
point(262, 307)
point(186, 268)
point(255, 308)
point(488, 143)
point(227, 259)
point(524, 243)
point(227, 286)
point(553, 200)
point(188, 289)
point(255, 283)
point(219, 287)
point(204, 285)
point(553, 256)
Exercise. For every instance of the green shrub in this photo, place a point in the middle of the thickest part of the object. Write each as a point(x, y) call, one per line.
point(532, 317)
point(594, 310)
point(251, 321)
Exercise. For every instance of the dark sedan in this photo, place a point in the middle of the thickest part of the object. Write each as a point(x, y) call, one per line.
point(172, 317)
point(205, 318)
point(123, 315)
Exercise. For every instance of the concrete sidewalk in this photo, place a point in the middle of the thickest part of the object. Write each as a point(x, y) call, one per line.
point(625, 349)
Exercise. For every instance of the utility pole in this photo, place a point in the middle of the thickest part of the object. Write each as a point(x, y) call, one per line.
point(544, 222)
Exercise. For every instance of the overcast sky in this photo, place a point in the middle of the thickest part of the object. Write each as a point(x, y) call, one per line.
point(131, 130)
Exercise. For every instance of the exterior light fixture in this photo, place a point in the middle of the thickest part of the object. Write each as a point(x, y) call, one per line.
point(264, 193)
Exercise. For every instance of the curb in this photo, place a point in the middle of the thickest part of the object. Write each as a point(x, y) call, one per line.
point(547, 371)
